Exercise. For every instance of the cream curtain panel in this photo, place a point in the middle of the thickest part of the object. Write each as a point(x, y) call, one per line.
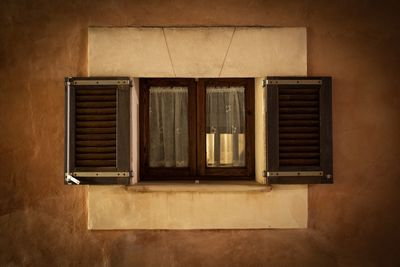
point(168, 116)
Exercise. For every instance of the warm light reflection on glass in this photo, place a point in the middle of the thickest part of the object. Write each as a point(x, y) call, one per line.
point(225, 153)
point(242, 143)
point(225, 149)
point(210, 149)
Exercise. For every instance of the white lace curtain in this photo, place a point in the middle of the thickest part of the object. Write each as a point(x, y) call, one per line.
point(225, 126)
point(168, 111)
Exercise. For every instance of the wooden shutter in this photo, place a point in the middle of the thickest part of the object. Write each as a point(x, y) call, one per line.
point(299, 130)
point(97, 123)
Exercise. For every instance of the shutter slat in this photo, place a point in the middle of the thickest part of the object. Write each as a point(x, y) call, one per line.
point(96, 104)
point(299, 129)
point(283, 149)
point(303, 110)
point(96, 163)
point(105, 130)
point(95, 111)
point(283, 136)
point(97, 117)
point(299, 116)
point(88, 149)
point(96, 91)
point(96, 124)
point(298, 155)
point(96, 143)
point(298, 91)
point(290, 123)
point(299, 162)
point(95, 137)
point(95, 98)
point(298, 142)
point(300, 104)
point(87, 156)
point(292, 97)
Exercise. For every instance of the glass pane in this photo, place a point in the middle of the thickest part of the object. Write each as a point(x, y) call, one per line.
point(168, 125)
point(225, 127)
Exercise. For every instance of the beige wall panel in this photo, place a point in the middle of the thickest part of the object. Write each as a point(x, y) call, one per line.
point(115, 207)
point(253, 52)
point(259, 117)
point(135, 130)
point(136, 52)
point(198, 52)
point(256, 52)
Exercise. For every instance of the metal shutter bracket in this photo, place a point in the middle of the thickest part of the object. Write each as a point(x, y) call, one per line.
point(288, 174)
point(70, 178)
point(101, 82)
point(265, 82)
point(100, 174)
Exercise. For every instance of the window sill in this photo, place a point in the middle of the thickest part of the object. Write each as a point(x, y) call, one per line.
point(203, 186)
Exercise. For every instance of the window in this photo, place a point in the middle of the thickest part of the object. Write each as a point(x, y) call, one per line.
point(197, 129)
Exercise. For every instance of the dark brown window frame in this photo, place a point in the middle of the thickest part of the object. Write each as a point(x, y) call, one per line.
point(232, 173)
point(146, 172)
point(197, 169)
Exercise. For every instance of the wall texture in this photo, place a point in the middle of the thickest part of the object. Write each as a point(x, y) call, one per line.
point(354, 222)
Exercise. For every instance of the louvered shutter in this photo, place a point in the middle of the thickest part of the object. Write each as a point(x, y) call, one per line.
point(299, 130)
point(97, 140)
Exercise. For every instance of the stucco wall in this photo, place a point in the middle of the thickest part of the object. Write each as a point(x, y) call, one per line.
point(354, 222)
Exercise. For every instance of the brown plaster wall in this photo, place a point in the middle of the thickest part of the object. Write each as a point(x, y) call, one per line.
point(354, 222)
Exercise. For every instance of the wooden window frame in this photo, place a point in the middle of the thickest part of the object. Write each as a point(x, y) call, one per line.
point(230, 173)
point(160, 173)
point(197, 169)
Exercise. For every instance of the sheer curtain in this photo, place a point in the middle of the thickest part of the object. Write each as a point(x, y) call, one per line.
point(225, 126)
point(168, 111)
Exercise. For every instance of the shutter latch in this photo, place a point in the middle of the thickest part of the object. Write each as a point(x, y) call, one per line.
point(70, 179)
